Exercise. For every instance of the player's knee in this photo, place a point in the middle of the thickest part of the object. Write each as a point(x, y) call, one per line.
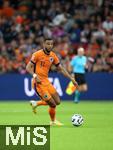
point(58, 103)
point(53, 105)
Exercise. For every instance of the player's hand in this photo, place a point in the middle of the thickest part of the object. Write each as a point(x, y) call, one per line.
point(36, 78)
point(74, 82)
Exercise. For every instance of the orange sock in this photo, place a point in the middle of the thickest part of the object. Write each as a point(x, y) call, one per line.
point(52, 113)
point(39, 103)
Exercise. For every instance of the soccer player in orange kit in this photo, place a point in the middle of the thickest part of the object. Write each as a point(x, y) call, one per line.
point(38, 67)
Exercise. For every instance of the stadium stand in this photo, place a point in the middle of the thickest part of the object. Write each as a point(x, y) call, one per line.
point(74, 23)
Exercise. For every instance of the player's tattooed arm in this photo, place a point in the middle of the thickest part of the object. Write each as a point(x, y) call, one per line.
point(30, 68)
point(66, 74)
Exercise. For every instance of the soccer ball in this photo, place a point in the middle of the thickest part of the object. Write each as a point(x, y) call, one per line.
point(77, 120)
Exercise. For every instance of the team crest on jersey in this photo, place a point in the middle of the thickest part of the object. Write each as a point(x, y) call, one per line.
point(45, 96)
point(51, 59)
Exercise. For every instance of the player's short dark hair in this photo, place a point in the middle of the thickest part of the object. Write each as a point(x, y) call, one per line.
point(48, 39)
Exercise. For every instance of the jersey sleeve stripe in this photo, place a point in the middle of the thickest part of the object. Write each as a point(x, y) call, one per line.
point(57, 64)
point(34, 65)
point(32, 62)
point(34, 68)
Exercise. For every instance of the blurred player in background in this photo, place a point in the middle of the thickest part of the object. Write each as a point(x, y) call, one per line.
point(39, 67)
point(78, 67)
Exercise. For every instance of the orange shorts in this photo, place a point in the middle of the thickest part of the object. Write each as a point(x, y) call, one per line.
point(44, 91)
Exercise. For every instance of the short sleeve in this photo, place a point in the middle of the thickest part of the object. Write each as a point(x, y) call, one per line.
point(73, 61)
point(56, 60)
point(34, 58)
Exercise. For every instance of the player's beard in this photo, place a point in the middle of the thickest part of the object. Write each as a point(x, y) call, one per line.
point(48, 51)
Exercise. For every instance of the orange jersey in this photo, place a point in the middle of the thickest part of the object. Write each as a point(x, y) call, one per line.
point(43, 64)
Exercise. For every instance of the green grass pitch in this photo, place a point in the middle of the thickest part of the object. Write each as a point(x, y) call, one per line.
point(95, 134)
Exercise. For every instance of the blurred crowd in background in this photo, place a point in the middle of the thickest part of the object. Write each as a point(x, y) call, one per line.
point(71, 23)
